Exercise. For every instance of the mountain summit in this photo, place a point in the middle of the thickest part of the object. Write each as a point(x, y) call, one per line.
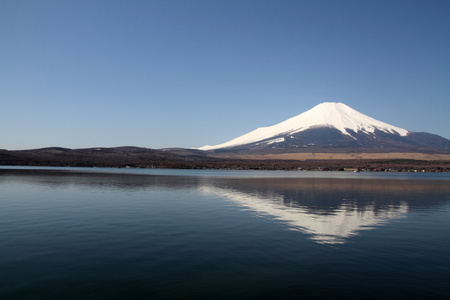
point(334, 126)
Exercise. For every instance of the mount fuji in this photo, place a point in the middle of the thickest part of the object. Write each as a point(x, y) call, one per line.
point(333, 127)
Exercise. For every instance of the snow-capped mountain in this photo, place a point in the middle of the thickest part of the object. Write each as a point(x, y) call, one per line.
point(330, 126)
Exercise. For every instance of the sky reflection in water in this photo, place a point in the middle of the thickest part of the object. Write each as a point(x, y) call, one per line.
point(72, 234)
point(330, 210)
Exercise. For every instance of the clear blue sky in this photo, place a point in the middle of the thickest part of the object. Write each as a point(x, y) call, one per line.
point(158, 74)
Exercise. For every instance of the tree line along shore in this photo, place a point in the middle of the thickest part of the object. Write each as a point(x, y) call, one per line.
point(134, 157)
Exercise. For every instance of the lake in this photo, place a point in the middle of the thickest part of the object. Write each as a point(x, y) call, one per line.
point(74, 233)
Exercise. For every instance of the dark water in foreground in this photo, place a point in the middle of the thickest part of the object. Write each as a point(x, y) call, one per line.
point(192, 235)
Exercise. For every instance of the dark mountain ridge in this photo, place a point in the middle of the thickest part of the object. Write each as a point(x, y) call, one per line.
point(179, 158)
point(95, 157)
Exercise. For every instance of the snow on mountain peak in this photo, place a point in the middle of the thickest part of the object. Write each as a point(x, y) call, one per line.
point(328, 114)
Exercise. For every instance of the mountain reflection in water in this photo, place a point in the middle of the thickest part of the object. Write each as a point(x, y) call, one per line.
point(328, 228)
point(330, 210)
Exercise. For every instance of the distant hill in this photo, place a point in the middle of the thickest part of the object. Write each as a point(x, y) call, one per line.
point(98, 157)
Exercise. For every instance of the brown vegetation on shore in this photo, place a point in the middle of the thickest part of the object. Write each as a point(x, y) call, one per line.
point(148, 158)
point(343, 156)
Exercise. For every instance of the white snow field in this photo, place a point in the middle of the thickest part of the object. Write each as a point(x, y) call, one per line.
point(327, 114)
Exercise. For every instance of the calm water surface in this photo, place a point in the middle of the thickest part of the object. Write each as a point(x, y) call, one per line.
point(69, 233)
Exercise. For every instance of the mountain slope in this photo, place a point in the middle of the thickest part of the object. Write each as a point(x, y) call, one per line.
point(333, 127)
